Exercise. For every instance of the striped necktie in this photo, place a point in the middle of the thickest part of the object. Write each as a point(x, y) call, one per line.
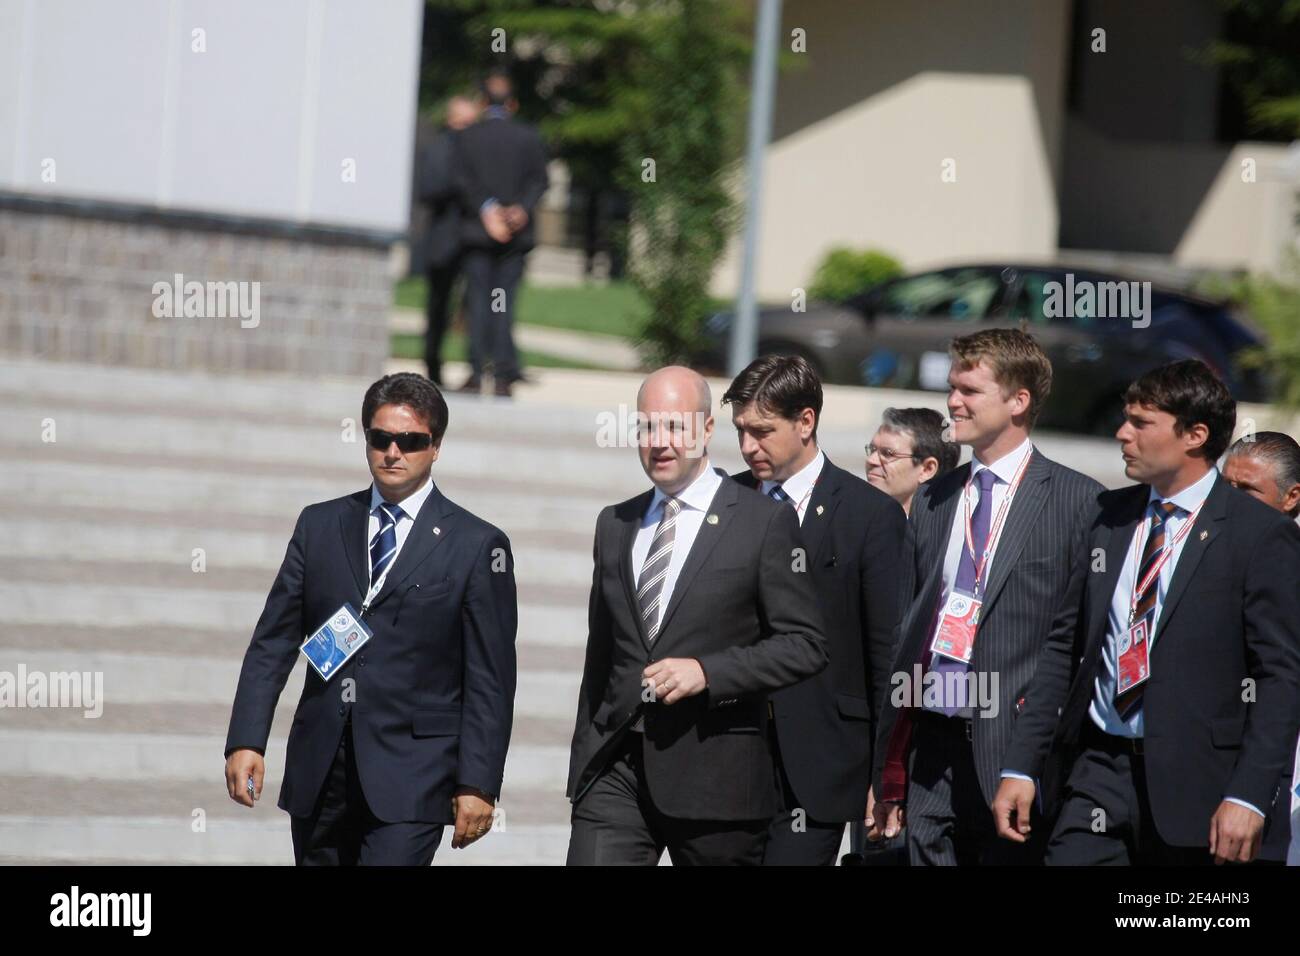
point(776, 494)
point(384, 544)
point(654, 571)
point(1128, 703)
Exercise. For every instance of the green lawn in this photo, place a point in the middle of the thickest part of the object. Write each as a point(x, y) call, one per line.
point(406, 345)
point(615, 308)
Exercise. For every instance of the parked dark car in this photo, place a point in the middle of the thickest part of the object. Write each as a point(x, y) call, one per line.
point(896, 334)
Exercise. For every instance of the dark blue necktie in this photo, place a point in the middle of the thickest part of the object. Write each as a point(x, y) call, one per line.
point(776, 494)
point(384, 544)
point(979, 526)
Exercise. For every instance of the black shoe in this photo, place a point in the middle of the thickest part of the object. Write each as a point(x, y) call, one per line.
point(473, 385)
point(501, 389)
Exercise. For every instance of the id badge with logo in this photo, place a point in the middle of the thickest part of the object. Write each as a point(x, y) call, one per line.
point(1134, 663)
point(335, 641)
point(955, 637)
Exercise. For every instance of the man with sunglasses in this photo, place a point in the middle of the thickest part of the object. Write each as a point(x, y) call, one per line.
point(407, 603)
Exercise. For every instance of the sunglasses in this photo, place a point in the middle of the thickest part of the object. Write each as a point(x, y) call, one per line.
point(380, 440)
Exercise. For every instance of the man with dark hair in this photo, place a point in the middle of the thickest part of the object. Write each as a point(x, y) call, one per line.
point(1266, 465)
point(1178, 693)
point(697, 613)
point(907, 450)
point(994, 571)
point(822, 728)
point(398, 736)
point(501, 176)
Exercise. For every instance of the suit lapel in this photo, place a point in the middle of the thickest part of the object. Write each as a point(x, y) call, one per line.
point(1197, 542)
point(420, 541)
point(1127, 516)
point(823, 501)
point(724, 500)
point(1023, 514)
point(631, 521)
point(353, 526)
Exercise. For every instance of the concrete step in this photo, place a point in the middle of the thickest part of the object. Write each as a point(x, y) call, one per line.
point(130, 678)
point(262, 839)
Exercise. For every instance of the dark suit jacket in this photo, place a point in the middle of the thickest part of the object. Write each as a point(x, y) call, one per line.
point(1031, 592)
point(741, 610)
point(438, 191)
point(826, 725)
point(434, 686)
point(1232, 615)
point(505, 159)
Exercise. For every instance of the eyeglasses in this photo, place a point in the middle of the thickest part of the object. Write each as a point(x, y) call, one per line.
point(888, 455)
point(406, 441)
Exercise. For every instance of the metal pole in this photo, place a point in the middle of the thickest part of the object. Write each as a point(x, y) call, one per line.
point(744, 331)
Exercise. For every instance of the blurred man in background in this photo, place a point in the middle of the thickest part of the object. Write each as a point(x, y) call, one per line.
point(908, 450)
point(501, 175)
point(438, 192)
point(1267, 466)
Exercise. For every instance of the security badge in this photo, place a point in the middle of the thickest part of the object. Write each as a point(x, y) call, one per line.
point(958, 623)
point(1133, 653)
point(335, 641)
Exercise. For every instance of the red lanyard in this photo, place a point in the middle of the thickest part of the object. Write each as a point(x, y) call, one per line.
point(1140, 587)
point(995, 529)
point(803, 502)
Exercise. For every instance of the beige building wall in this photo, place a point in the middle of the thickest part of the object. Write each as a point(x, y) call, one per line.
point(867, 118)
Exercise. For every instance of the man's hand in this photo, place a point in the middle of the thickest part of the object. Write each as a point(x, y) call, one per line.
point(884, 820)
point(1011, 808)
point(473, 809)
point(516, 217)
point(494, 221)
point(674, 678)
point(239, 766)
point(1235, 833)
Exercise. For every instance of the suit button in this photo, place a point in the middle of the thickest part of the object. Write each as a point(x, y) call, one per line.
point(361, 662)
point(342, 711)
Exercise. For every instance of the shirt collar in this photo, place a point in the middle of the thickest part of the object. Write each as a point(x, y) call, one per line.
point(410, 505)
point(1191, 497)
point(1006, 466)
point(799, 484)
point(698, 494)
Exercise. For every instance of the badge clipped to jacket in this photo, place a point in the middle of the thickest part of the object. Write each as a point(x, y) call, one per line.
point(335, 641)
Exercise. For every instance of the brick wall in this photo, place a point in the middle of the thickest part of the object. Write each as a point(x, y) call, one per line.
point(75, 287)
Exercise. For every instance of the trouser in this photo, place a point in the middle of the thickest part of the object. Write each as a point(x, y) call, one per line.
point(437, 312)
point(342, 830)
point(793, 837)
point(491, 281)
point(1106, 813)
point(616, 824)
point(949, 821)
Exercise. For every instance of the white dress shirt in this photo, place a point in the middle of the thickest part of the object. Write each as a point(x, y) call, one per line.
point(1005, 469)
point(798, 487)
point(410, 506)
point(695, 499)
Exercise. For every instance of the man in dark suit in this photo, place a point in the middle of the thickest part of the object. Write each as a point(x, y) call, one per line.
point(501, 176)
point(992, 574)
point(410, 733)
point(700, 607)
point(437, 185)
point(1179, 692)
point(822, 728)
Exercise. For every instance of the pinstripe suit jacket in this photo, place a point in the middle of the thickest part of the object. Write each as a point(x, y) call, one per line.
point(1032, 591)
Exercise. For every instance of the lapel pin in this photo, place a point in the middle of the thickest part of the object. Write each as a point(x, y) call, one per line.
point(821, 508)
point(1204, 535)
point(712, 519)
point(437, 530)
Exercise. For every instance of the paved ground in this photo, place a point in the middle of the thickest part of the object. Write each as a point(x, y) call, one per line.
point(98, 531)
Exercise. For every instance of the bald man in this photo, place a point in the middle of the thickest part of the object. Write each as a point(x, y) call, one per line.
point(701, 605)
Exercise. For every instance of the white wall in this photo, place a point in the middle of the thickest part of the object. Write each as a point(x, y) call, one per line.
point(259, 124)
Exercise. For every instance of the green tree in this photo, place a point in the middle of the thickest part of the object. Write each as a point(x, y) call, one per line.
point(1258, 55)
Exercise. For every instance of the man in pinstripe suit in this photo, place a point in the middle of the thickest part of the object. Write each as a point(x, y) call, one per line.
point(996, 567)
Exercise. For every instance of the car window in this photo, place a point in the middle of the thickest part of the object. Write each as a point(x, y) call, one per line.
point(1031, 303)
point(963, 295)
